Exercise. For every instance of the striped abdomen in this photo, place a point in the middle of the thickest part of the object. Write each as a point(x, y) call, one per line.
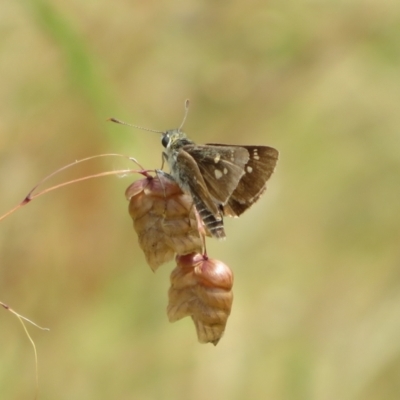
point(213, 224)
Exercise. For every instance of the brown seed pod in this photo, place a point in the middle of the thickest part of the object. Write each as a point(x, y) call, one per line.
point(201, 287)
point(164, 219)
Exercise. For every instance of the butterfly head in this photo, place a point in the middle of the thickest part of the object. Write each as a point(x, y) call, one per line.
point(174, 139)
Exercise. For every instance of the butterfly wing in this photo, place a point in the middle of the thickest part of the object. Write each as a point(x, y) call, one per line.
point(257, 170)
point(222, 168)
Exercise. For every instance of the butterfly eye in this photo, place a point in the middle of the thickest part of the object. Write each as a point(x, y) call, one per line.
point(165, 140)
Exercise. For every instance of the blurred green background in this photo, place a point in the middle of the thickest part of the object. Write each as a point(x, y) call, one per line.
point(316, 313)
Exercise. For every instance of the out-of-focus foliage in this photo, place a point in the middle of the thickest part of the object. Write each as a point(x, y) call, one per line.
point(316, 313)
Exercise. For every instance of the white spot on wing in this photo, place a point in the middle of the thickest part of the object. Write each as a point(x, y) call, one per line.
point(217, 173)
point(249, 169)
point(225, 170)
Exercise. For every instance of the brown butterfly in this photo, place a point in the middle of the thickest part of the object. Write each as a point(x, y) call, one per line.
point(222, 179)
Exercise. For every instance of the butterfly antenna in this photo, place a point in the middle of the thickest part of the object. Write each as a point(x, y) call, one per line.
point(117, 121)
point(186, 113)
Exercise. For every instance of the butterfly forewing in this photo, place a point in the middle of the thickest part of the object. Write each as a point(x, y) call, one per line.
point(222, 168)
point(257, 171)
point(189, 175)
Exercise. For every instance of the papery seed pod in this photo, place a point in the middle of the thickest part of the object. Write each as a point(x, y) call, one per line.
point(201, 287)
point(164, 219)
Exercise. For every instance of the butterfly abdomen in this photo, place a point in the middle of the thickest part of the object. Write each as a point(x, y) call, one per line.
point(213, 224)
